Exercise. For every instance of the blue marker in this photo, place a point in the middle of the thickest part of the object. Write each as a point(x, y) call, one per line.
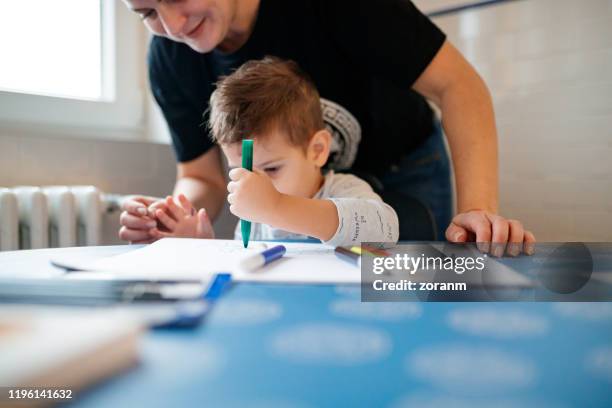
point(263, 258)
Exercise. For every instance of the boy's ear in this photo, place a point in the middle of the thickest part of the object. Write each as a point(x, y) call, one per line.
point(319, 146)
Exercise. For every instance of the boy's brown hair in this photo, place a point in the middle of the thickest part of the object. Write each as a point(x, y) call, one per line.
point(263, 95)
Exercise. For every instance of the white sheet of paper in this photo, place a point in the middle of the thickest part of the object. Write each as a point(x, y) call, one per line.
point(184, 258)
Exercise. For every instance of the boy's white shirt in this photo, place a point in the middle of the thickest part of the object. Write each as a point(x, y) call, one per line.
point(362, 215)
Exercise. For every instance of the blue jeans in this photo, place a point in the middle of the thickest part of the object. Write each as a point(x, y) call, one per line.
point(425, 175)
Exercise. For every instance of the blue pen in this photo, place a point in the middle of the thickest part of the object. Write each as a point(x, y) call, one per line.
point(190, 313)
point(263, 258)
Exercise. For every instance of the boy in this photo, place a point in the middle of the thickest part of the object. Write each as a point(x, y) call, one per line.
point(287, 195)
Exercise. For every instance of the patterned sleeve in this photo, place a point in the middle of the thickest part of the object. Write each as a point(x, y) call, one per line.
point(362, 215)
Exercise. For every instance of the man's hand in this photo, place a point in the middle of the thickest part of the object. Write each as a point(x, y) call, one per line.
point(137, 219)
point(180, 219)
point(252, 195)
point(493, 233)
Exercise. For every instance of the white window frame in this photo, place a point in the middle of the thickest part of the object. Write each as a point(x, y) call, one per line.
point(122, 109)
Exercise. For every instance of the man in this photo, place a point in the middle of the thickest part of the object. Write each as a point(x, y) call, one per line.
point(373, 63)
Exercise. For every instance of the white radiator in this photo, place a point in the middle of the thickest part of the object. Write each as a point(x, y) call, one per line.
point(53, 216)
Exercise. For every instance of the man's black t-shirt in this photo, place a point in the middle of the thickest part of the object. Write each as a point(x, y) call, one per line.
point(362, 55)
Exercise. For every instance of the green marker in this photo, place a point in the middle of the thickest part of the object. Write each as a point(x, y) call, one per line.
point(247, 163)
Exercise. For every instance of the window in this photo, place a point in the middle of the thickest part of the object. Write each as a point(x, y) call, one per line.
point(71, 63)
point(48, 52)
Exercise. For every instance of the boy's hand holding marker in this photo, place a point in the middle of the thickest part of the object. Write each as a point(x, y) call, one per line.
point(252, 196)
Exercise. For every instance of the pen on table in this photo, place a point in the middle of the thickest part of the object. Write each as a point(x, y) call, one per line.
point(247, 163)
point(349, 254)
point(263, 258)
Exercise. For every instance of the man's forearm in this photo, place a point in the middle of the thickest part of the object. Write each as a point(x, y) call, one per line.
point(469, 124)
point(202, 194)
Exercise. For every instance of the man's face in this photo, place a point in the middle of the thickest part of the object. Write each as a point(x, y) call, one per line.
point(289, 167)
point(201, 24)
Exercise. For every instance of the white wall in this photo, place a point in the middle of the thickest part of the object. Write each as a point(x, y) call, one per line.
point(549, 66)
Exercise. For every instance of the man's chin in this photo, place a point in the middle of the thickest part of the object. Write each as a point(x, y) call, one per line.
point(199, 47)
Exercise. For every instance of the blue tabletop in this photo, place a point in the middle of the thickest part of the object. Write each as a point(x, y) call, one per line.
point(319, 346)
point(304, 346)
